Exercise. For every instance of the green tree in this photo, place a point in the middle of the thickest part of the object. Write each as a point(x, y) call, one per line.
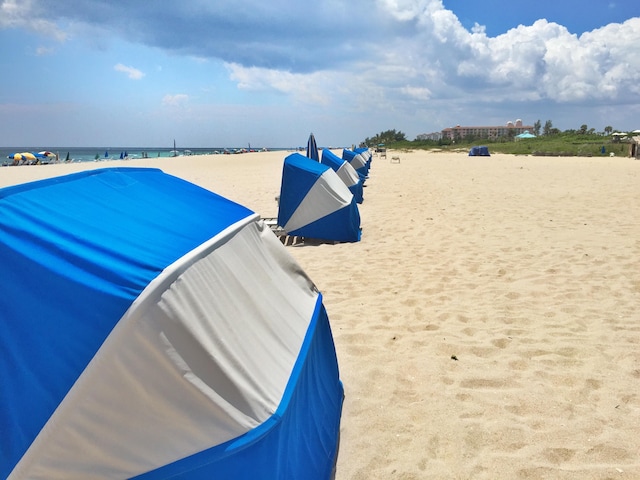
point(386, 137)
point(608, 129)
point(536, 128)
point(548, 125)
point(583, 129)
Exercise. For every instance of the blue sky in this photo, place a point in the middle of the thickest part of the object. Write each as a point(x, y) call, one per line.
point(229, 73)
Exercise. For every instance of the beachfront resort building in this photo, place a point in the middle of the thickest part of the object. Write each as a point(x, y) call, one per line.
point(510, 130)
point(434, 136)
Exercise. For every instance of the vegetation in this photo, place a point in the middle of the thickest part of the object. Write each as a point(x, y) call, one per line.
point(549, 141)
point(385, 138)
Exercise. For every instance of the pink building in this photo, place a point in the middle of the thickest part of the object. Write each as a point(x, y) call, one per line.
point(511, 129)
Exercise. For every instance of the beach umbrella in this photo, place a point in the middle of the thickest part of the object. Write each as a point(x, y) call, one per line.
point(312, 149)
point(526, 134)
point(47, 154)
point(22, 156)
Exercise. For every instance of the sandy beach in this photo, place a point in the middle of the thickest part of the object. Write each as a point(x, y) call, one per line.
point(487, 326)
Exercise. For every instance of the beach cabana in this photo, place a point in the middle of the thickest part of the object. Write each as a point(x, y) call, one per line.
point(366, 154)
point(481, 151)
point(357, 161)
point(315, 202)
point(346, 173)
point(153, 329)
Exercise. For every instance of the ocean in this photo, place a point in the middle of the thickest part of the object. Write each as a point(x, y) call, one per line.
point(91, 154)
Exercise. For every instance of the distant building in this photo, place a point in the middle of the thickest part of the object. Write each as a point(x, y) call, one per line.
point(435, 136)
point(510, 129)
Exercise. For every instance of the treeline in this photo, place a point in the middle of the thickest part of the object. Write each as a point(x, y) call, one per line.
point(395, 137)
point(549, 129)
point(384, 138)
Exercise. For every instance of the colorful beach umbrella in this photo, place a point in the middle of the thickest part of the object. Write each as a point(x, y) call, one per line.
point(22, 156)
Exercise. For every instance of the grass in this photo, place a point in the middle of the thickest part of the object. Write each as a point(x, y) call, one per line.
point(551, 145)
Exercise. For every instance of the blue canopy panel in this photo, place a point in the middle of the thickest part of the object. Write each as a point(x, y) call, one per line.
point(357, 161)
point(481, 151)
point(346, 173)
point(147, 322)
point(315, 202)
point(366, 154)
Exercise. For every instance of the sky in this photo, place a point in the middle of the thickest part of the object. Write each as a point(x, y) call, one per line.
point(229, 73)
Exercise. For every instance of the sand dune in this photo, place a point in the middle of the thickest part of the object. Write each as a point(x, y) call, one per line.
point(488, 323)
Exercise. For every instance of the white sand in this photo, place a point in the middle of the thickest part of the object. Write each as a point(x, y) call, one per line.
point(526, 269)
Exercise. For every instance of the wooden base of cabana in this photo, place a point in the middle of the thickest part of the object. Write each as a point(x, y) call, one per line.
point(284, 237)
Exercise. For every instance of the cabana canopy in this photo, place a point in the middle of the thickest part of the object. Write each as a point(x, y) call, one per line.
point(357, 161)
point(315, 202)
point(346, 173)
point(153, 329)
point(481, 151)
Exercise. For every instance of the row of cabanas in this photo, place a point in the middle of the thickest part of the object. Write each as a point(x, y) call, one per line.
point(320, 193)
point(206, 353)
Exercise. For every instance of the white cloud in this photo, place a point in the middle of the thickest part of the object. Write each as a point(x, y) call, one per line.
point(22, 15)
point(132, 73)
point(313, 88)
point(393, 59)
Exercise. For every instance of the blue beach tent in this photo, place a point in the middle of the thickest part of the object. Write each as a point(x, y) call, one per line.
point(366, 154)
point(481, 151)
point(357, 161)
point(346, 173)
point(315, 202)
point(152, 329)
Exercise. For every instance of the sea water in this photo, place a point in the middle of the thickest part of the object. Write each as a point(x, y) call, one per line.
point(94, 154)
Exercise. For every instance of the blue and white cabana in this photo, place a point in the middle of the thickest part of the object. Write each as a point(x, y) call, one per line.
point(346, 173)
point(315, 202)
point(479, 151)
point(152, 329)
point(366, 154)
point(357, 161)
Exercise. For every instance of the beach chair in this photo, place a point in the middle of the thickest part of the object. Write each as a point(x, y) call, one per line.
point(284, 237)
point(395, 159)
